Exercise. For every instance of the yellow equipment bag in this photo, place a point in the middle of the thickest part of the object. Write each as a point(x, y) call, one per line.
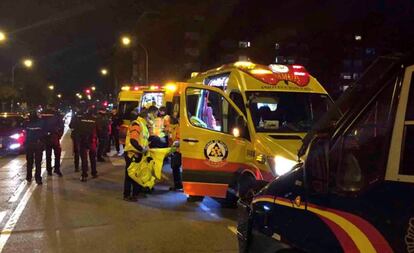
point(158, 155)
point(142, 172)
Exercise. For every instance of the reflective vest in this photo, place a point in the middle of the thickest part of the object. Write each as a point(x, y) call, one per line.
point(143, 136)
point(158, 127)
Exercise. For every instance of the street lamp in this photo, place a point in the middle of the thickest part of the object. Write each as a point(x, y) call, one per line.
point(104, 72)
point(2, 36)
point(93, 88)
point(51, 87)
point(59, 95)
point(126, 41)
point(27, 63)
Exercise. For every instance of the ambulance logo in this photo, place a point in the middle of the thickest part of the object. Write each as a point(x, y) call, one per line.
point(216, 152)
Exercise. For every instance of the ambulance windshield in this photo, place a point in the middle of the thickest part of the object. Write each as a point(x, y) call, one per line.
point(286, 111)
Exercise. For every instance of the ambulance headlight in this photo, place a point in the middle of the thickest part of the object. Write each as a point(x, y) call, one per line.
point(281, 165)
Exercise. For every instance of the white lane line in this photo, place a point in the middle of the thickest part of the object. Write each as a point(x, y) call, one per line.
point(15, 163)
point(18, 192)
point(14, 218)
point(2, 215)
point(12, 221)
point(232, 229)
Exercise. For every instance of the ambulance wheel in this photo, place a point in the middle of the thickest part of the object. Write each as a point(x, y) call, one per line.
point(192, 198)
point(245, 184)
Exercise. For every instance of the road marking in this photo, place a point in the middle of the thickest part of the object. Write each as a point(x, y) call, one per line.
point(14, 218)
point(15, 163)
point(2, 215)
point(17, 193)
point(232, 229)
point(12, 221)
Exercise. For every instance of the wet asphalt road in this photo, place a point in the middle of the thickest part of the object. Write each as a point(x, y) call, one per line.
point(66, 215)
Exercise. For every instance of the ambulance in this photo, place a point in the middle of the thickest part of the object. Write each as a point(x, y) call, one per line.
point(244, 123)
point(132, 97)
point(354, 189)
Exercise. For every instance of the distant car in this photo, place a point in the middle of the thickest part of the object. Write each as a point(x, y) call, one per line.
point(12, 133)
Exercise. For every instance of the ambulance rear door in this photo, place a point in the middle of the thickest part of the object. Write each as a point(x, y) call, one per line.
point(213, 140)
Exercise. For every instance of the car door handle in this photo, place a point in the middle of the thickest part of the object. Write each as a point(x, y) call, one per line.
point(190, 140)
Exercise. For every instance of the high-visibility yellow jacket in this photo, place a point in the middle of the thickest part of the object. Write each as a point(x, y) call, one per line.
point(161, 126)
point(137, 130)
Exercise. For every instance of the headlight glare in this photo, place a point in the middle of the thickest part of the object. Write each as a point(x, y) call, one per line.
point(281, 165)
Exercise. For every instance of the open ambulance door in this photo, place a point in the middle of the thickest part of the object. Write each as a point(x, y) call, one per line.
point(213, 139)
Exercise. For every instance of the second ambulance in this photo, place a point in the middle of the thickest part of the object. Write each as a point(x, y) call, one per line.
point(242, 123)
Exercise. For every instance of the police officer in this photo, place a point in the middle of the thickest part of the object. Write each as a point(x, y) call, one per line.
point(174, 135)
point(54, 127)
point(76, 117)
point(35, 137)
point(136, 144)
point(115, 124)
point(85, 128)
point(103, 126)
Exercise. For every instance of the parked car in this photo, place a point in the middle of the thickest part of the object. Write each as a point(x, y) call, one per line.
point(12, 133)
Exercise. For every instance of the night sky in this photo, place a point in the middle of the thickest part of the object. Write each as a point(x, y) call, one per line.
point(72, 40)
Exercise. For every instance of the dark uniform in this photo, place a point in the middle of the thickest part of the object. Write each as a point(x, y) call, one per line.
point(115, 123)
point(103, 125)
point(35, 137)
point(54, 127)
point(85, 129)
point(75, 139)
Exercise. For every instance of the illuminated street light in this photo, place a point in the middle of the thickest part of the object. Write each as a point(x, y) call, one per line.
point(80, 96)
point(28, 63)
point(59, 95)
point(2, 36)
point(93, 88)
point(104, 72)
point(358, 37)
point(126, 41)
point(51, 87)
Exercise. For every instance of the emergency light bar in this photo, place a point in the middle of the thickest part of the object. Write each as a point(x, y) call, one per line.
point(275, 73)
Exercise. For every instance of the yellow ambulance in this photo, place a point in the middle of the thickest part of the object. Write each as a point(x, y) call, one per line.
point(132, 97)
point(242, 123)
